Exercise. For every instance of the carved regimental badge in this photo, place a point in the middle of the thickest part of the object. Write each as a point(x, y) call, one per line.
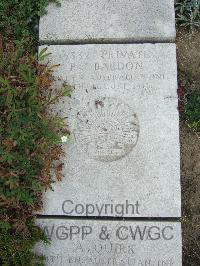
point(107, 129)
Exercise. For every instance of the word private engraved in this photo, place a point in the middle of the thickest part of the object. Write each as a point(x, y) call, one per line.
point(106, 129)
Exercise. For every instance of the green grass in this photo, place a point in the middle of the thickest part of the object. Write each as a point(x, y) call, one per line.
point(187, 13)
point(192, 111)
point(189, 101)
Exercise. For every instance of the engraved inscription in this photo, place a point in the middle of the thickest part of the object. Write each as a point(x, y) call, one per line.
point(107, 129)
point(123, 244)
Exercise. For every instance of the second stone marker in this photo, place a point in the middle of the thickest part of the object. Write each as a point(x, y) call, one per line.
point(113, 243)
point(123, 157)
point(109, 21)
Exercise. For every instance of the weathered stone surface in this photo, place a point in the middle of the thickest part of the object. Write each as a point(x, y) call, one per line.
point(123, 156)
point(109, 21)
point(111, 243)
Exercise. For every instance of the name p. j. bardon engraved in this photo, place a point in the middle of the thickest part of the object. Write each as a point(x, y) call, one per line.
point(107, 129)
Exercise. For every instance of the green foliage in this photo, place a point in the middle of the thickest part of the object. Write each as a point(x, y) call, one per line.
point(16, 248)
point(29, 134)
point(187, 13)
point(19, 18)
point(29, 143)
point(192, 110)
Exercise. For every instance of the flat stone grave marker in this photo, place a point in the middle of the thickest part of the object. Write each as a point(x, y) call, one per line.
point(82, 242)
point(123, 156)
point(109, 21)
